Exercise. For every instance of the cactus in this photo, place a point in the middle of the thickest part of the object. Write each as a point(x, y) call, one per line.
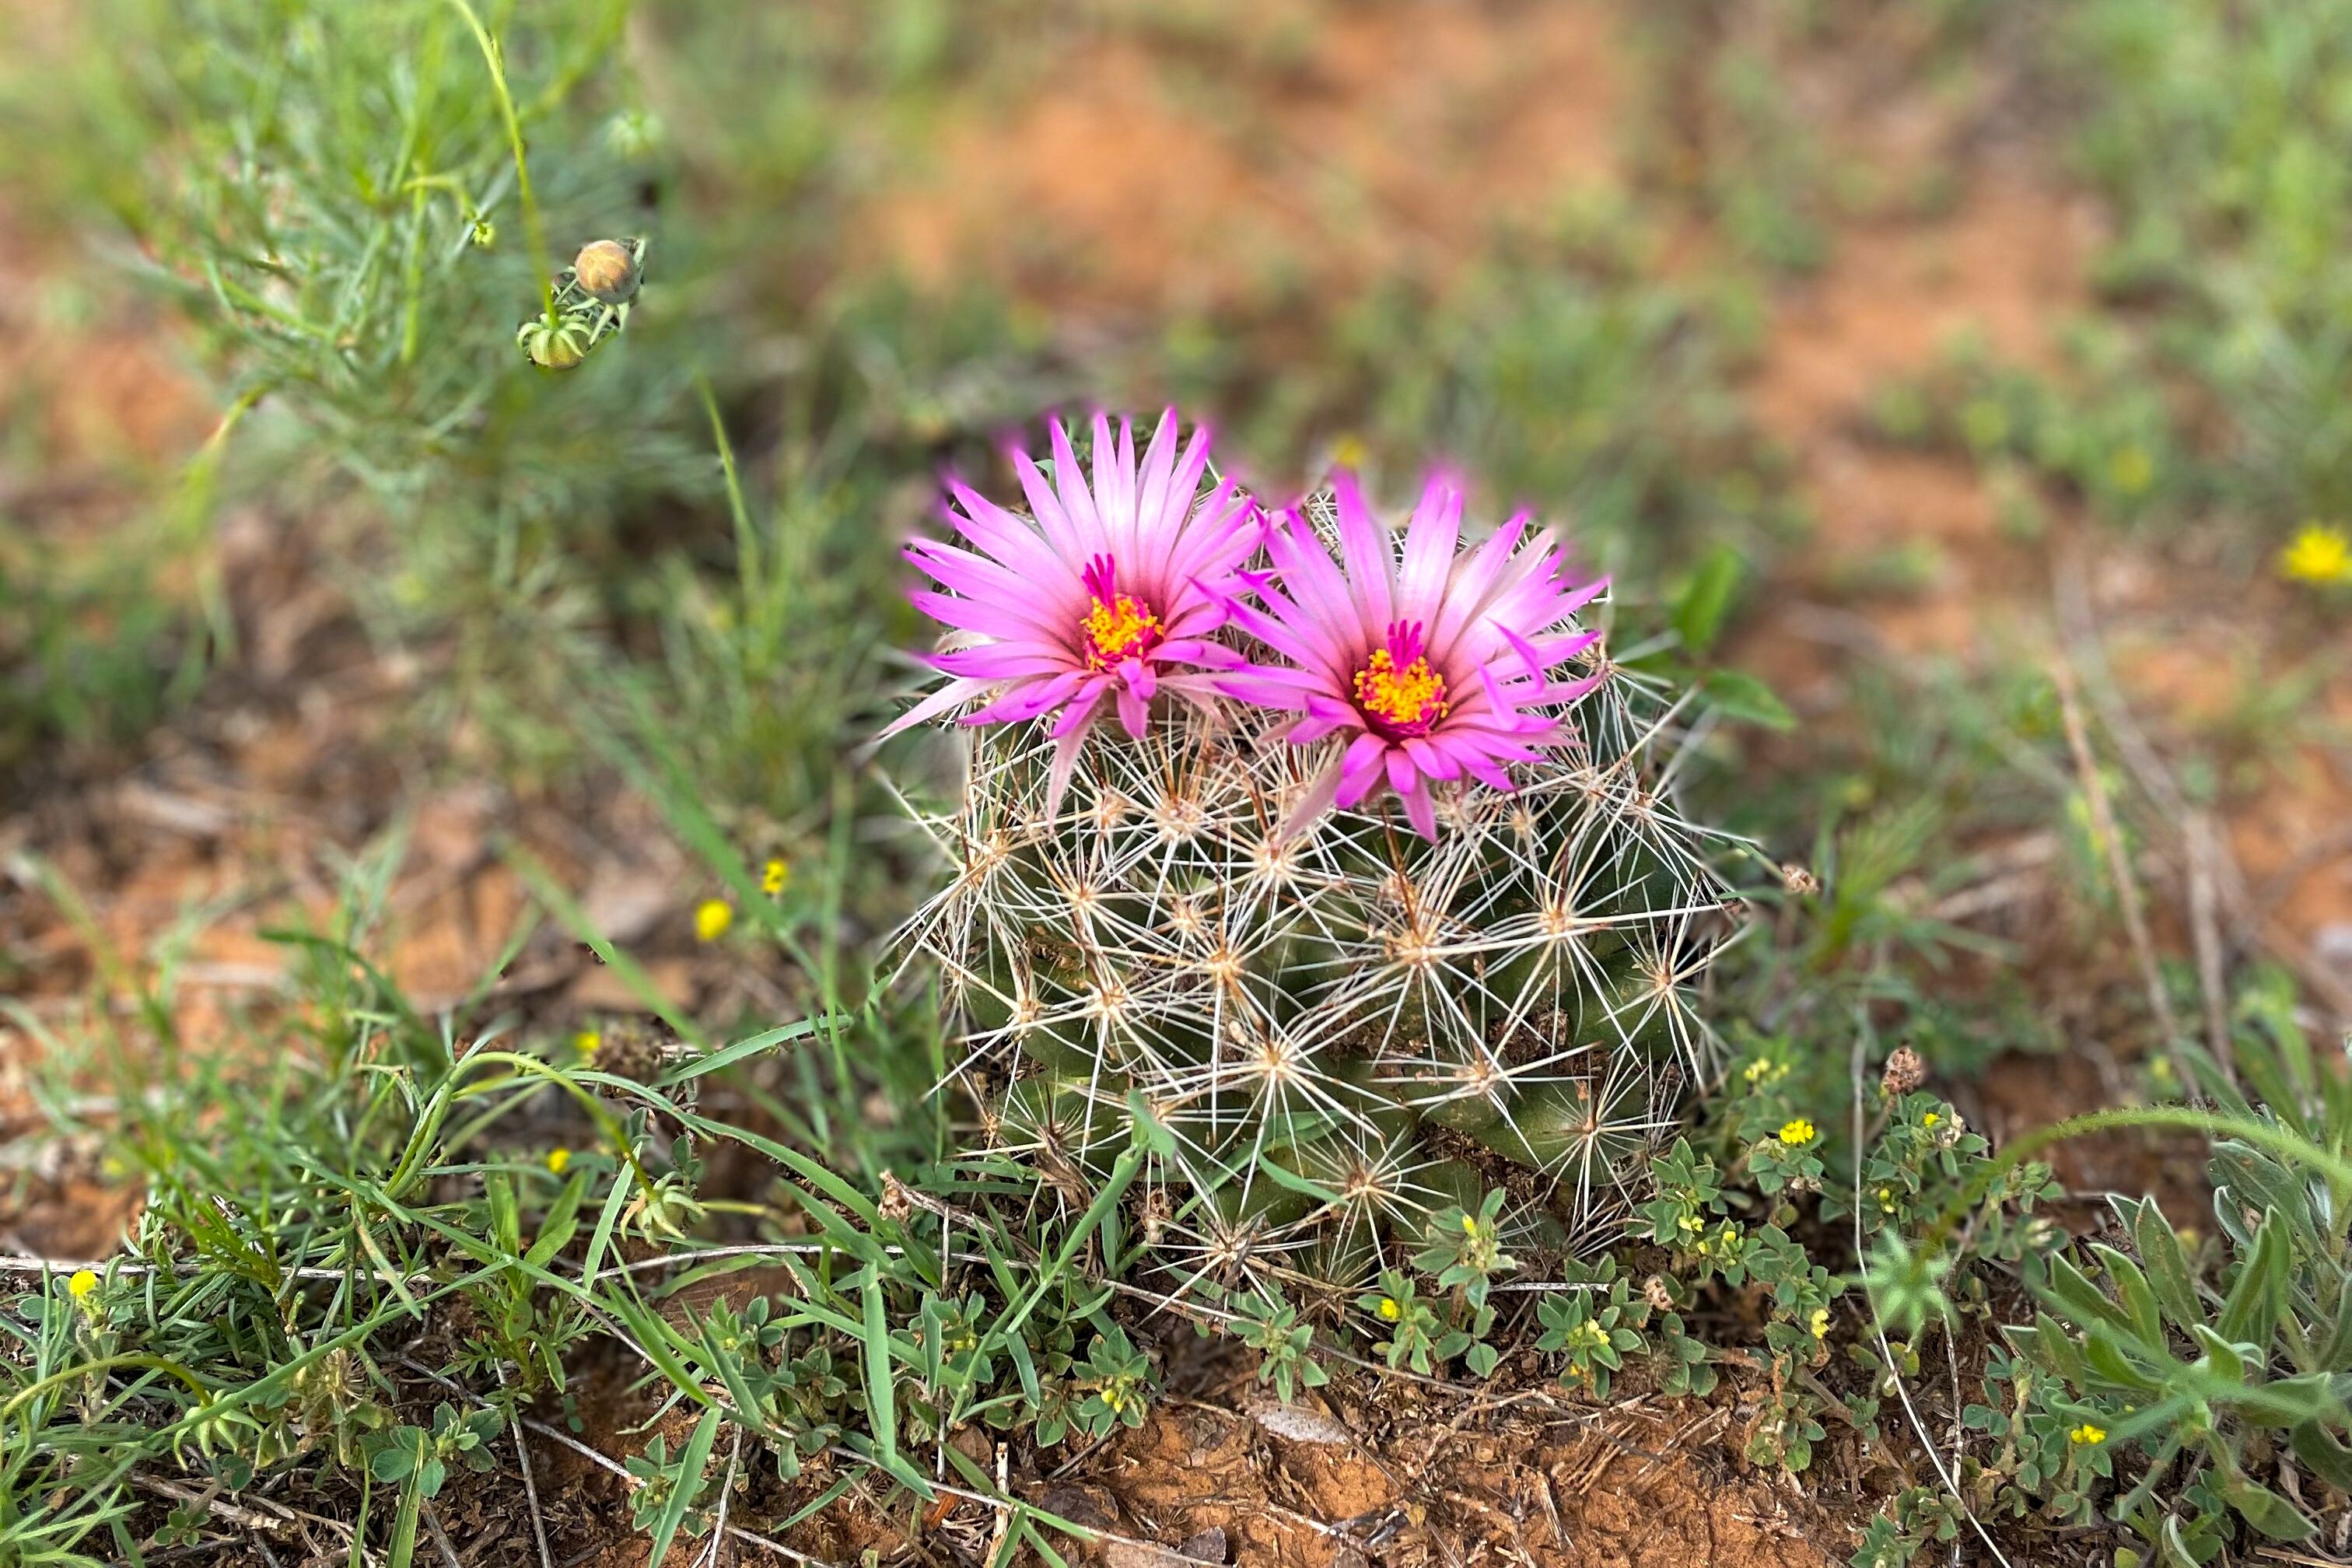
point(1340, 1019)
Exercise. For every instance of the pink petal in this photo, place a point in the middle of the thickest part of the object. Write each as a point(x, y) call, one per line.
point(1366, 554)
point(1420, 810)
point(1359, 769)
point(1429, 542)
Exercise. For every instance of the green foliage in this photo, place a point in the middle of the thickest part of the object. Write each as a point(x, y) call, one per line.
point(1915, 1519)
point(2208, 127)
point(1595, 1322)
point(2206, 1374)
point(418, 1462)
point(91, 655)
point(1561, 369)
point(1270, 1326)
point(1415, 1333)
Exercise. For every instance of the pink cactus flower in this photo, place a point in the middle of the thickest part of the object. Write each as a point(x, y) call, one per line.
point(1438, 664)
point(1108, 592)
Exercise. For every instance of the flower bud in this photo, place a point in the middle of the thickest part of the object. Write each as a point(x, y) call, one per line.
point(556, 346)
point(608, 269)
point(1905, 1072)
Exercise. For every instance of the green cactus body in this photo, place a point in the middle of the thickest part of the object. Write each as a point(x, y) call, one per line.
point(1343, 1026)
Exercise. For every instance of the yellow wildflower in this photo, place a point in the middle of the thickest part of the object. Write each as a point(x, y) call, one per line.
point(559, 1160)
point(2131, 469)
point(1930, 1120)
point(83, 1282)
point(1469, 1224)
point(586, 1042)
point(1587, 1336)
point(2321, 555)
point(2087, 1435)
point(711, 920)
point(1820, 1322)
point(1796, 1134)
point(775, 878)
point(1389, 1309)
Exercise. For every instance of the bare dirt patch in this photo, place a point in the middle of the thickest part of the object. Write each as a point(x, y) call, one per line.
point(1128, 173)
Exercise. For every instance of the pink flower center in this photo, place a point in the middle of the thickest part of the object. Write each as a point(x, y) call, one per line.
point(1398, 693)
point(1120, 626)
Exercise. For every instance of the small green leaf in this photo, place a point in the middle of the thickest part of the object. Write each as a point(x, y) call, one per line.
point(2266, 1510)
point(2160, 1253)
point(1742, 696)
point(2317, 1448)
point(2251, 1314)
point(1149, 1130)
point(689, 1484)
point(2085, 1305)
point(562, 1222)
point(2133, 1292)
point(396, 1461)
point(1699, 612)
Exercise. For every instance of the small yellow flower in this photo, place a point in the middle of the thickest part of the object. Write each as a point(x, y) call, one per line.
point(776, 878)
point(712, 918)
point(83, 1282)
point(1389, 1309)
point(1755, 1072)
point(1587, 1336)
point(1930, 1120)
point(586, 1042)
point(2321, 555)
point(2087, 1435)
point(2132, 469)
point(559, 1161)
point(1469, 1224)
point(1820, 1322)
point(1796, 1134)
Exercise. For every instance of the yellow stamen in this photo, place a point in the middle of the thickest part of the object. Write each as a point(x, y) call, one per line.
point(1401, 697)
point(1115, 630)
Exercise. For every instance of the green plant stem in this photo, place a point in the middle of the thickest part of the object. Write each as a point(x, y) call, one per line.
point(533, 229)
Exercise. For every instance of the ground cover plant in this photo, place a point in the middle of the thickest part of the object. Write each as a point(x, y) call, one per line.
point(1681, 901)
